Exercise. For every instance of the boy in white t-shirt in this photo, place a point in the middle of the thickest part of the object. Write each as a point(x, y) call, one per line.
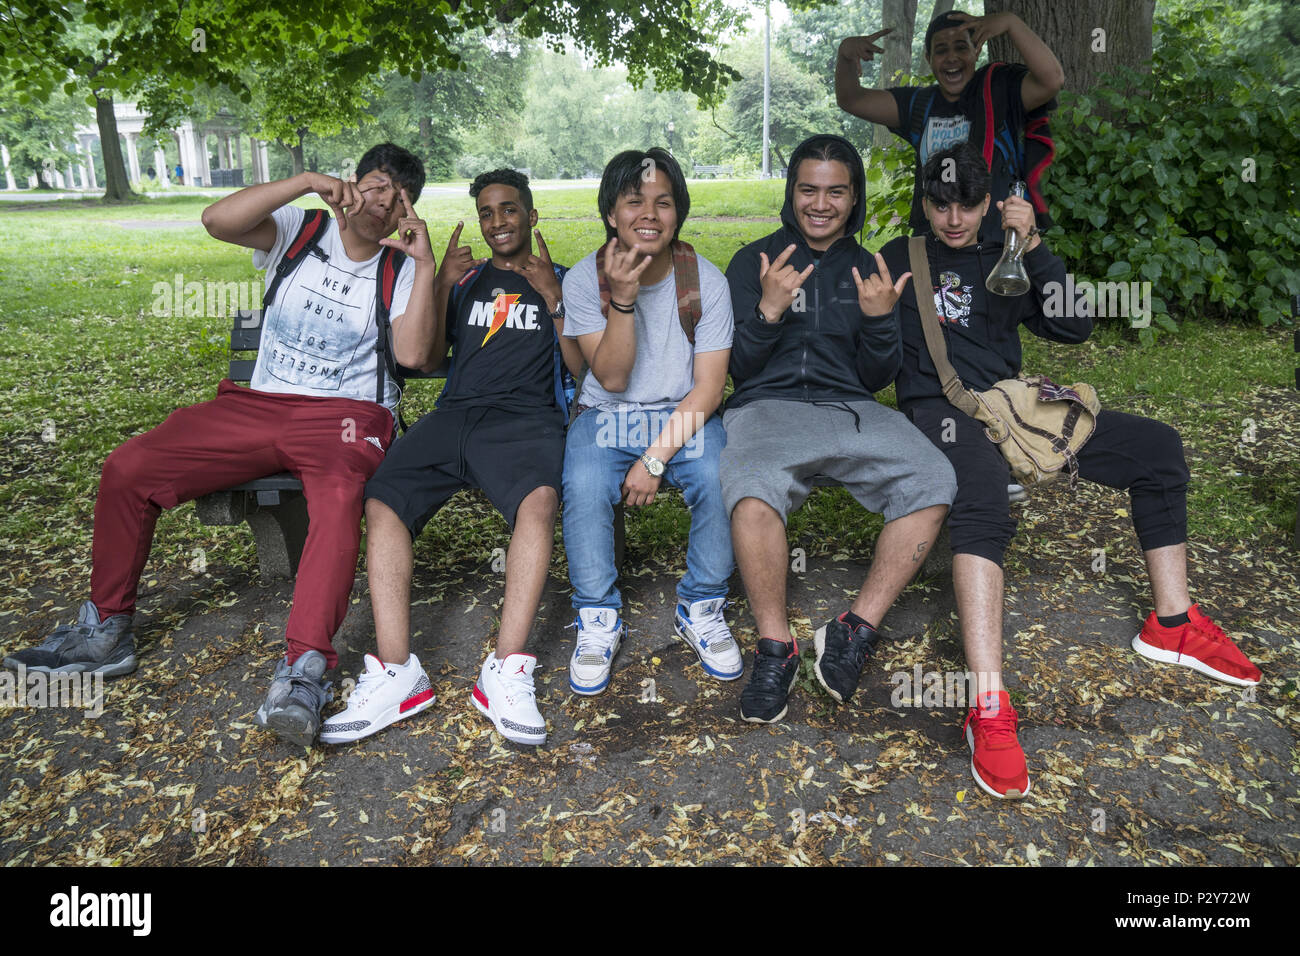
point(648, 412)
point(311, 410)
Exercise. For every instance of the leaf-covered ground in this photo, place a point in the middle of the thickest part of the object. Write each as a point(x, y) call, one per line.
point(1132, 763)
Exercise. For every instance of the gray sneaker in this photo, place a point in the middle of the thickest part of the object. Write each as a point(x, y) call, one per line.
point(90, 646)
point(297, 696)
point(276, 695)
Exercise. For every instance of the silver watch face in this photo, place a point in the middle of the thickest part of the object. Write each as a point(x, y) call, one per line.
point(653, 465)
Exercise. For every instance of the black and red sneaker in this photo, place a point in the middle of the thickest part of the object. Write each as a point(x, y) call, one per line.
point(841, 652)
point(776, 665)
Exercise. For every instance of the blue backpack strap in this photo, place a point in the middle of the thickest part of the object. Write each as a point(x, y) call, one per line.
point(566, 386)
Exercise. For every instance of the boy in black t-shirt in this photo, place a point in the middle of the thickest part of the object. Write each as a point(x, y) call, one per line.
point(499, 426)
point(1001, 108)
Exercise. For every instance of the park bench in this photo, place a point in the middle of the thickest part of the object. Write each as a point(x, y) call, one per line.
point(276, 510)
point(714, 171)
point(274, 506)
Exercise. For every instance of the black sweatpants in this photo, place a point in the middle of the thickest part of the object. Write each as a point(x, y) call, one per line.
point(1126, 451)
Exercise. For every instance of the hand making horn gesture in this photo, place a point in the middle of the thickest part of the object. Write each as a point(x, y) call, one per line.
point(412, 233)
point(878, 293)
point(623, 268)
point(457, 260)
point(539, 272)
point(780, 282)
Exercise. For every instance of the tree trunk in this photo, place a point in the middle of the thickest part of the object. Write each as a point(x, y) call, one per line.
point(296, 153)
point(1089, 37)
point(900, 16)
point(116, 186)
point(426, 133)
point(940, 6)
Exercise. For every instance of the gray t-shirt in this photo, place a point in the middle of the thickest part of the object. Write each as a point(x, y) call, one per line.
point(665, 363)
point(318, 336)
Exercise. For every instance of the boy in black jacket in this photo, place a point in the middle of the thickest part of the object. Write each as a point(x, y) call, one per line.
point(1138, 454)
point(816, 334)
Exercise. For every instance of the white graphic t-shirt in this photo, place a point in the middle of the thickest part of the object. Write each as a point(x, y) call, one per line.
point(318, 336)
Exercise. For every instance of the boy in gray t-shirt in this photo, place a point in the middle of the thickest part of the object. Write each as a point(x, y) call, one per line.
point(647, 412)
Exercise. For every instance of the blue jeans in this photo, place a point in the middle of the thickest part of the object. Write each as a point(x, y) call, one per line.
point(602, 446)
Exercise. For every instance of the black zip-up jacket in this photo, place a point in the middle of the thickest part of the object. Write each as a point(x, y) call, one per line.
point(829, 352)
point(982, 329)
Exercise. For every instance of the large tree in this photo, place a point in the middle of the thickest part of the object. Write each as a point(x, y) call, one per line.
point(214, 42)
point(1090, 37)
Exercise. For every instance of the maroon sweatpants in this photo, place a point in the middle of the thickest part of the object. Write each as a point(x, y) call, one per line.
point(239, 436)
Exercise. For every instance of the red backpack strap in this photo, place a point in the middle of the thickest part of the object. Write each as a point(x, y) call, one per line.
point(309, 233)
point(686, 269)
point(990, 127)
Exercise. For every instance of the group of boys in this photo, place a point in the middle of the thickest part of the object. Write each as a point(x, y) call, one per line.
point(808, 324)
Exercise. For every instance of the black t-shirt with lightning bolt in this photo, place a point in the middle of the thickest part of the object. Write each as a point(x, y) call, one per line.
point(503, 345)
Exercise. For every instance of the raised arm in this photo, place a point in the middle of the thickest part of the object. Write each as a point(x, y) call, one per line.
point(875, 106)
point(415, 331)
point(611, 353)
point(759, 303)
point(1045, 78)
point(244, 217)
point(879, 345)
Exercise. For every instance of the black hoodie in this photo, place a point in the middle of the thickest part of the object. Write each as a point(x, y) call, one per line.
point(829, 352)
point(982, 329)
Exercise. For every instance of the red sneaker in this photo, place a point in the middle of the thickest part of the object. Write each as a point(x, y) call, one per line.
point(997, 763)
point(1199, 644)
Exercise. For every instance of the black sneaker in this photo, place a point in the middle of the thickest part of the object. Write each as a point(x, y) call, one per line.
point(841, 652)
point(776, 665)
point(90, 646)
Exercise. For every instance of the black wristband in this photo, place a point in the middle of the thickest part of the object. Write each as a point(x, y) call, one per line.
point(620, 307)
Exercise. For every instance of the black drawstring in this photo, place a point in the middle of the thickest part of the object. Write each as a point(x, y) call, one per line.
point(844, 406)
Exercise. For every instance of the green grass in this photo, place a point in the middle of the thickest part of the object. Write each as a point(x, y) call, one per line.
point(85, 365)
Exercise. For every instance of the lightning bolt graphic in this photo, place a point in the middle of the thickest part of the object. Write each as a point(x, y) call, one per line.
point(501, 310)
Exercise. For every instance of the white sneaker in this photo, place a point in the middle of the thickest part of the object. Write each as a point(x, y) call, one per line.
point(384, 694)
point(505, 695)
point(707, 634)
point(600, 632)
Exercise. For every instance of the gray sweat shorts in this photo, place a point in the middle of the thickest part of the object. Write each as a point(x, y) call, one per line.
point(775, 448)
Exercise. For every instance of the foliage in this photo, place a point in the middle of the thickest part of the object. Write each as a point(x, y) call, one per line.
point(1190, 181)
point(39, 133)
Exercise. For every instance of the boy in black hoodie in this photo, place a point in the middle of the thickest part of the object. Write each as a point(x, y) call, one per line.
point(1125, 451)
point(816, 334)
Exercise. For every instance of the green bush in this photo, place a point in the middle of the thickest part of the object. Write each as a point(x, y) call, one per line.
point(1153, 176)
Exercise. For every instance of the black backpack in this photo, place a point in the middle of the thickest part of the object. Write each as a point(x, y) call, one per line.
point(307, 242)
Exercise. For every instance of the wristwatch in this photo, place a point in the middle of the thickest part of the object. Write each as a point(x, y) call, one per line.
point(653, 465)
point(559, 311)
